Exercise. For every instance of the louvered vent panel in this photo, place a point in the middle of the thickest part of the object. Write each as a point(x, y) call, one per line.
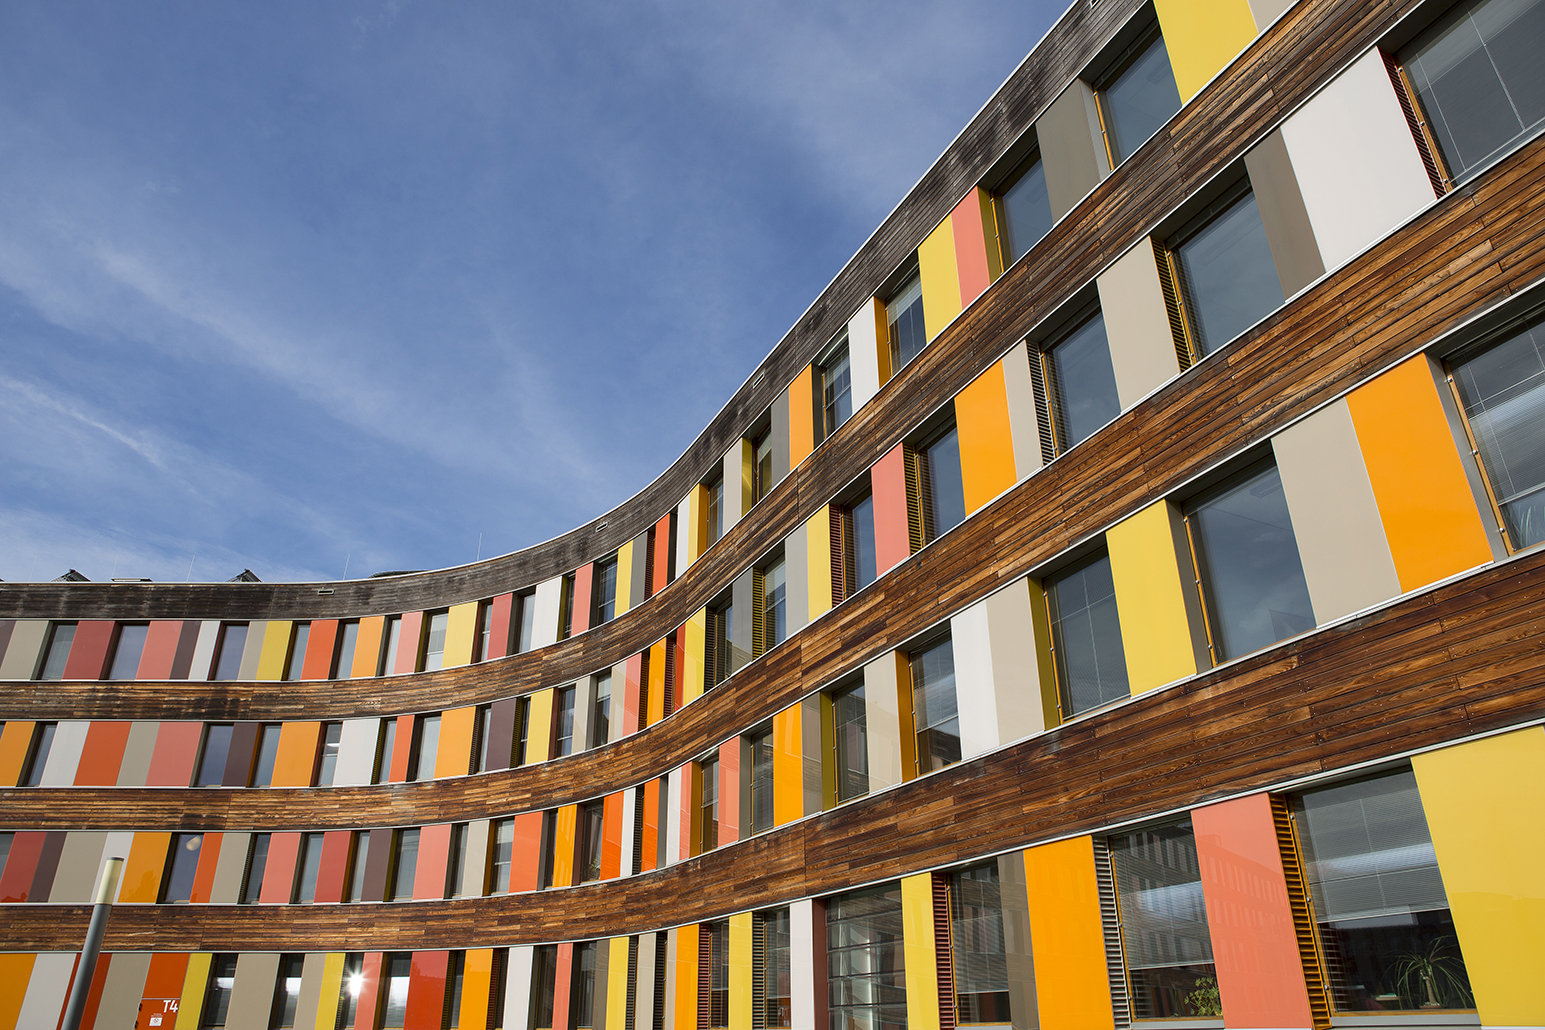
point(919, 498)
point(449, 998)
point(501, 972)
point(704, 974)
point(1164, 262)
point(1420, 132)
point(842, 582)
point(649, 563)
point(1043, 418)
point(630, 1005)
point(661, 955)
point(643, 689)
point(758, 614)
point(943, 951)
point(712, 632)
point(638, 835)
point(1303, 916)
point(1110, 920)
point(758, 972)
point(670, 674)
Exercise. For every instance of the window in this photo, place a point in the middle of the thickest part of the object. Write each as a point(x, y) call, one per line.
point(348, 640)
point(455, 980)
point(604, 592)
point(527, 603)
point(714, 976)
point(904, 313)
point(566, 606)
point(257, 863)
point(287, 992)
point(482, 736)
point(310, 866)
point(776, 980)
point(228, 652)
point(128, 649)
point(1023, 209)
point(563, 722)
point(775, 609)
point(434, 642)
point(216, 750)
point(1247, 566)
point(348, 990)
point(935, 484)
point(978, 945)
point(295, 663)
point(393, 641)
point(717, 644)
point(1170, 972)
point(522, 734)
point(853, 553)
point(456, 865)
point(267, 754)
point(761, 465)
point(708, 803)
point(1385, 930)
point(583, 989)
point(1079, 383)
point(549, 847)
point(600, 714)
point(217, 996)
point(6, 840)
point(851, 743)
point(544, 985)
point(761, 745)
point(361, 858)
point(327, 767)
point(1088, 658)
point(836, 384)
point(866, 967)
point(395, 974)
point(934, 715)
point(426, 748)
point(1501, 388)
point(1476, 76)
point(863, 543)
point(501, 852)
point(1137, 96)
point(37, 753)
point(592, 833)
point(1222, 262)
point(485, 631)
point(404, 865)
point(387, 744)
point(181, 865)
point(715, 510)
point(61, 635)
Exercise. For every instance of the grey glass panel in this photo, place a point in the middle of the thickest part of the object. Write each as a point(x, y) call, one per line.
point(775, 609)
point(1139, 101)
point(394, 1012)
point(297, 663)
point(344, 667)
point(1026, 212)
point(761, 782)
point(600, 718)
point(42, 744)
point(407, 864)
point(837, 390)
point(332, 736)
point(908, 331)
point(233, 640)
point(934, 711)
point(185, 855)
point(1086, 632)
point(1503, 390)
point(428, 748)
point(1378, 897)
point(852, 733)
point(606, 592)
point(310, 865)
point(1228, 275)
point(1082, 383)
point(866, 965)
point(1249, 565)
point(947, 494)
point(979, 945)
point(1164, 924)
point(257, 864)
point(434, 643)
point(267, 755)
point(217, 747)
point(59, 651)
point(863, 543)
point(126, 656)
point(1480, 80)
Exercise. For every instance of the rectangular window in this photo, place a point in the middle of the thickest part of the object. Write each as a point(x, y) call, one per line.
point(257, 863)
point(604, 592)
point(861, 543)
point(945, 490)
point(1137, 95)
point(327, 766)
point(934, 715)
point(37, 753)
point(563, 722)
point(904, 313)
point(761, 466)
point(549, 847)
point(404, 865)
point(1170, 972)
point(566, 606)
point(708, 803)
point(456, 864)
point(866, 965)
point(501, 853)
point(978, 945)
point(761, 745)
point(1247, 566)
point(583, 986)
point(836, 390)
point(361, 857)
point(1387, 936)
point(592, 833)
point(485, 631)
point(295, 661)
point(393, 641)
point(387, 744)
point(715, 513)
point(544, 985)
point(1088, 657)
point(213, 755)
point(127, 650)
point(426, 748)
point(310, 867)
point(434, 641)
point(714, 977)
point(1080, 383)
point(6, 840)
point(851, 743)
point(455, 980)
point(1227, 277)
point(1023, 209)
point(527, 621)
point(349, 986)
point(600, 715)
point(181, 865)
point(1476, 77)
point(396, 972)
point(287, 992)
point(720, 632)
point(1501, 389)
point(60, 636)
point(777, 978)
point(775, 608)
point(267, 754)
point(228, 651)
point(217, 996)
point(482, 734)
point(348, 640)
point(522, 736)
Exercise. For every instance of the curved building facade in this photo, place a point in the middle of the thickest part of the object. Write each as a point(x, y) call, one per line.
point(1115, 602)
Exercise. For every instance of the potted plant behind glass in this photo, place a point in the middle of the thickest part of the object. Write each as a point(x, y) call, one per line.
point(1425, 977)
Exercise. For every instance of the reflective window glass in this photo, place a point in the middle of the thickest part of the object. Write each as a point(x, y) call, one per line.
point(946, 492)
point(310, 867)
point(777, 969)
point(434, 641)
point(348, 640)
point(1138, 97)
point(775, 609)
point(979, 947)
point(908, 333)
point(1164, 937)
point(184, 864)
point(605, 591)
point(131, 645)
point(357, 868)
point(864, 562)
point(600, 716)
point(503, 849)
point(1227, 273)
point(1090, 662)
point(583, 987)
point(708, 803)
point(327, 768)
point(564, 723)
point(406, 865)
point(836, 392)
point(428, 750)
point(217, 748)
point(59, 642)
point(1081, 383)
point(217, 997)
point(1024, 211)
point(866, 963)
point(267, 754)
point(233, 641)
point(592, 829)
point(934, 712)
point(761, 782)
point(257, 864)
point(852, 743)
point(395, 976)
point(527, 621)
point(300, 634)
point(37, 757)
point(544, 984)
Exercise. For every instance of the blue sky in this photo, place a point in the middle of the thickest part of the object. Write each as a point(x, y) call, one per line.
point(290, 285)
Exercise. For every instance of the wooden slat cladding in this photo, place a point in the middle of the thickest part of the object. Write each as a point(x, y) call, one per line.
point(1458, 660)
point(1304, 49)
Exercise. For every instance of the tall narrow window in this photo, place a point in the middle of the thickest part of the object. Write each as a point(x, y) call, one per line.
point(217, 996)
point(566, 606)
point(310, 867)
point(708, 803)
point(549, 848)
point(908, 333)
point(1090, 664)
point(485, 631)
point(267, 754)
point(761, 781)
point(181, 865)
point(583, 985)
point(360, 857)
point(1247, 564)
point(213, 755)
point(396, 973)
point(600, 713)
point(866, 965)
point(714, 515)
point(60, 636)
point(592, 832)
point(349, 986)
point(563, 722)
point(762, 465)
point(527, 603)
point(604, 592)
point(979, 945)
point(719, 635)
point(863, 557)
point(348, 641)
point(482, 737)
point(393, 642)
point(257, 865)
point(522, 735)
point(455, 980)
point(501, 852)
point(228, 651)
point(434, 641)
point(1137, 95)
point(128, 649)
point(1080, 382)
point(385, 750)
point(544, 984)
point(426, 751)
point(1501, 387)
point(1024, 210)
point(777, 967)
point(1227, 276)
point(1476, 76)
point(287, 992)
point(404, 865)
point(37, 754)
point(934, 714)
point(775, 609)
point(851, 743)
point(836, 391)
point(327, 766)
point(295, 662)
point(714, 977)
point(1168, 951)
point(456, 863)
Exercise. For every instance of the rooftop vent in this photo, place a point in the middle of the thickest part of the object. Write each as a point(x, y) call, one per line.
point(130, 579)
point(72, 577)
point(244, 576)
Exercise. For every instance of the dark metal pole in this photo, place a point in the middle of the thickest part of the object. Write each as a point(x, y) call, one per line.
point(107, 887)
